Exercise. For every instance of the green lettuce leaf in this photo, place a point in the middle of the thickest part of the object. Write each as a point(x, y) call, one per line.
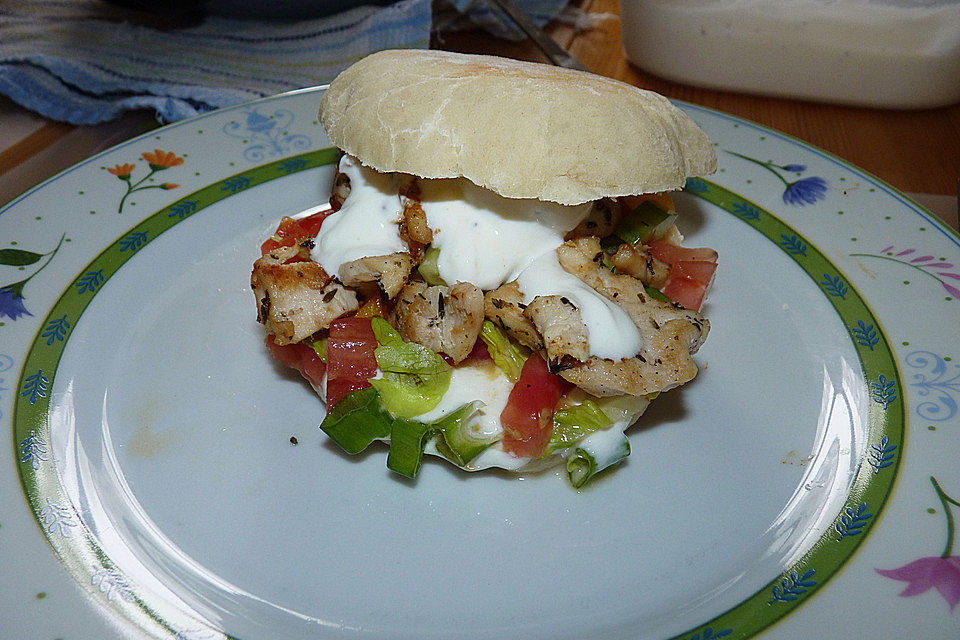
point(429, 269)
point(574, 423)
point(413, 379)
point(618, 408)
point(504, 352)
point(384, 331)
point(319, 346)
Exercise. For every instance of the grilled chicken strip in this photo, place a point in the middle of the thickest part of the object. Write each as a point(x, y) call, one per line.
point(578, 258)
point(414, 225)
point(663, 364)
point(504, 307)
point(559, 322)
point(670, 334)
point(298, 299)
point(600, 221)
point(637, 262)
point(341, 188)
point(443, 319)
point(414, 229)
point(390, 272)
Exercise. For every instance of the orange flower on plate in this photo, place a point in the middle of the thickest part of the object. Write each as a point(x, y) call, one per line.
point(160, 159)
point(122, 171)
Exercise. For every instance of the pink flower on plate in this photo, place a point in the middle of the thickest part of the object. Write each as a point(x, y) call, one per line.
point(933, 572)
point(942, 574)
point(937, 268)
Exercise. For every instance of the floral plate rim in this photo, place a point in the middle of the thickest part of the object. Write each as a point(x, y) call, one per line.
point(790, 588)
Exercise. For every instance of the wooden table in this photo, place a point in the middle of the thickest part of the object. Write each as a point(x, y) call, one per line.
point(915, 151)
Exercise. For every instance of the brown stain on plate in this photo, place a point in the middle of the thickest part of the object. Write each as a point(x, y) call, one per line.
point(795, 460)
point(146, 442)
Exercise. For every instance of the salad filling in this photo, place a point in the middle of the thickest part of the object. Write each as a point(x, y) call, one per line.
point(443, 318)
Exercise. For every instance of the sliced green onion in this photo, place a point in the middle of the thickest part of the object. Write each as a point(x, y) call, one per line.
point(459, 440)
point(461, 435)
point(574, 423)
point(357, 420)
point(647, 221)
point(593, 455)
point(504, 352)
point(429, 268)
point(610, 244)
point(406, 396)
point(656, 294)
point(407, 438)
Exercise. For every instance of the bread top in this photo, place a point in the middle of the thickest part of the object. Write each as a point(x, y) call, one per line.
point(521, 129)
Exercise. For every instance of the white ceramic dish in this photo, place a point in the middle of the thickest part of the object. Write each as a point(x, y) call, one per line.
point(152, 488)
point(893, 54)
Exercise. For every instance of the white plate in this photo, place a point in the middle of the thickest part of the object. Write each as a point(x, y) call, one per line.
point(789, 484)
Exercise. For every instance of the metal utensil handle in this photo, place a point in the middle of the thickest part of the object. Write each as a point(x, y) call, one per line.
point(545, 43)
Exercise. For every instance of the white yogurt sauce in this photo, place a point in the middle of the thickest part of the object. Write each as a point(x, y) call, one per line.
point(487, 239)
point(604, 441)
point(483, 238)
point(367, 223)
point(468, 384)
point(610, 331)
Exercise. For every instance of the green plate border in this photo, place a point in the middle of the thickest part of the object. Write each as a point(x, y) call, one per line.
point(875, 475)
point(71, 540)
point(77, 549)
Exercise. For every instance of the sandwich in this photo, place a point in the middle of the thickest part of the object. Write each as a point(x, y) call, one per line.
point(498, 279)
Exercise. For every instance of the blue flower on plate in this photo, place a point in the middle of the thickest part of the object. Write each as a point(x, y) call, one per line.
point(11, 301)
point(266, 135)
point(258, 123)
point(800, 192)
point(805, 191)
point(11, 295)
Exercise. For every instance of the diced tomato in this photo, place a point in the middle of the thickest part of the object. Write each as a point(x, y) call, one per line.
point(291, 230)
point(672, 253)
point(350, 359)
point(479, 354)
point(527, 418)
point(700, 272)
point(300, 357)
point(689, 282)
point(691, 272)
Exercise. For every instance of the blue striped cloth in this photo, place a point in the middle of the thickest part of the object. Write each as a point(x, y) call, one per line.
point(75, 61)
